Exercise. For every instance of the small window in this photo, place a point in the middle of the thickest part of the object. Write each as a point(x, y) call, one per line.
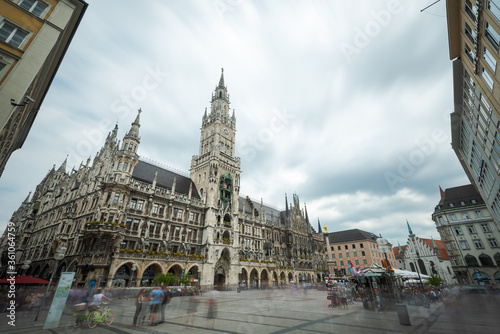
point(471, 229)
point(473, 201)
point(458, 230)
point(478, 244)
point(451, 205)
point(346, 246)
point(487, 78)
point(462, 203)
point(464, 244)
point(490, 60)
point(12, 35)
point(485, 228)
point(491, 35)
point(33, 6)
point(493, 243)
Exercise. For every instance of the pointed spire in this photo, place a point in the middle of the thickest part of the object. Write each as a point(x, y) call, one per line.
point(62, 168)
point(409, 229)
point(434, 243)
point(27, 198)
point(319, 227)
point(441, 192)
point(134, 129)
point(307, 217)
point(190, 190)
point(221, 80)
point(400, 249)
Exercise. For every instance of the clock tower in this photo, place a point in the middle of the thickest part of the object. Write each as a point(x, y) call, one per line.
point(216, 173)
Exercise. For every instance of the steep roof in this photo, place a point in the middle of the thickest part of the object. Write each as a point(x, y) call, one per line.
point(246, 207)
point(440, 246)
point(396, 252)
point(453, 197)
point(145, 172)
point(351, 235)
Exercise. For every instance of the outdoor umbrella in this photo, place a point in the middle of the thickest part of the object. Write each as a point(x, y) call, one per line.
point(25, 280)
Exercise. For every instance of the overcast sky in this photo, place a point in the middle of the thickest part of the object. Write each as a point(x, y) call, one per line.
point(344, 103)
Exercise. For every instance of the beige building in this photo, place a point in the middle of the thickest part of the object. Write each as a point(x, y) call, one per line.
point(124, 220)
point(34, 37)
point(474, 42)
point(354, 246)
point(470, 235)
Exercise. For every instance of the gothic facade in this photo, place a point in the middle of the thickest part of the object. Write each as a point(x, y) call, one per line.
point(125, 220)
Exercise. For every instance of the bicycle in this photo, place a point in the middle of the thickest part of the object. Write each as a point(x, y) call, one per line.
point(80, 316)
point(96, 316)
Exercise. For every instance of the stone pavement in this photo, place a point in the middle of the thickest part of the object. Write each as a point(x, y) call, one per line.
point(281, 311)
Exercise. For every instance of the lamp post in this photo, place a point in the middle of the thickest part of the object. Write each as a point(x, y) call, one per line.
point(26, 265)
point(134, 268)
point(383, 246)
point(199, 279)
point(59, 255)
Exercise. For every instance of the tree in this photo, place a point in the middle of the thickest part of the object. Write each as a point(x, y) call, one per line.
point(434, 280)
point(167, 279)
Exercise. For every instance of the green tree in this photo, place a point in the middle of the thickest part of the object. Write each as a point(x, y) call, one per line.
point(434, 280)
point(166, 279)
point(186, 280)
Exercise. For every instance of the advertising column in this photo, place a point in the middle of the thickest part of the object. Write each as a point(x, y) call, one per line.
point(59, 300)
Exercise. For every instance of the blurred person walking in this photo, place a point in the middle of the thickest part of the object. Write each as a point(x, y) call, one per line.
point(139, 301)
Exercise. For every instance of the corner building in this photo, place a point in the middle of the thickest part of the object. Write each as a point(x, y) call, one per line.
point(474, 42)
point(125, 220)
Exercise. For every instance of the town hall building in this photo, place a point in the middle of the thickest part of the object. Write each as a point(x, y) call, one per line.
point(124, 220)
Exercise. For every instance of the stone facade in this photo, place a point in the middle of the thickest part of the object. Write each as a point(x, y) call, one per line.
point(125, 220)
point(470, 235)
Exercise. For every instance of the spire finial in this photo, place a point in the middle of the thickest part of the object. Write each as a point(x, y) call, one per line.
point(409, 229)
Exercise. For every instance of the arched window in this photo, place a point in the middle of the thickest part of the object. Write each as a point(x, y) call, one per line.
point(497, 258)
point(412, 267)
point(421, 265)
point(471, 261)
point(486, 260)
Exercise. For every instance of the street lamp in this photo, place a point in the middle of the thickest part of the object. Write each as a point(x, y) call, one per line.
point(26, 265)
point(199, 279)
point(134, 268)
point(59, 255)
point(383, 246)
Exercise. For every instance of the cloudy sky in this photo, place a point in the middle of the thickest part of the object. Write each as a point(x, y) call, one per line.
point(344, 103)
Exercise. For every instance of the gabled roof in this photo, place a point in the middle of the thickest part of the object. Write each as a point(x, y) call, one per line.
point(440, 246)
point(145, 172)
point(351, 235)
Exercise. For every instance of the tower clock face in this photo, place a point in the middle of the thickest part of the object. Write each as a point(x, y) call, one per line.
point(225, 132)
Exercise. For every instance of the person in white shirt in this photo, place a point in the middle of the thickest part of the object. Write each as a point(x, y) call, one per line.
point(97, 300)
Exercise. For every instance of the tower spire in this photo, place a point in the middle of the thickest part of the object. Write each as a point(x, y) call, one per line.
point(134, 129)
point(62, 168)
point(409, 229)
point(221, 80)
point(441, 192)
